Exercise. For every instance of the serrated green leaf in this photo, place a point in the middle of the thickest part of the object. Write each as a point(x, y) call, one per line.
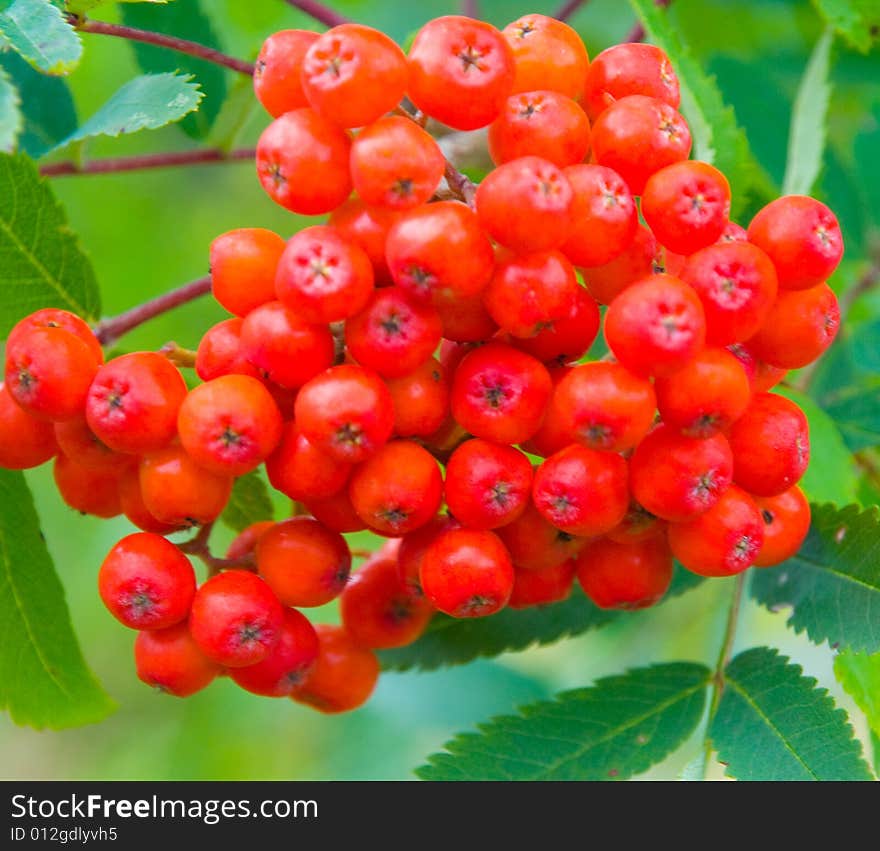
point(859, 674)
point(143, 103)
point(44, 680)
point(856, 20)
point(249, 503)
point(183, 19)
point(620, 727)
point(46, 105)
point(39, 32)
point(41, 262)
point(79, 7)
point(454, 641)
point(718, 138)
point(833, 583)
point(809, 120)
point(10, 113)
point(856, 410)
point(773, 723)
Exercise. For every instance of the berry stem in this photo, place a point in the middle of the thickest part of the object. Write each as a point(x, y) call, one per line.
point(724, 656)
point(179, 356)
point(112, 165)
point(321, 13)
point(110, 330)
point(198, 547)
point(181, 45)
point(470, 9)
point(566, 10)
point(637, 33)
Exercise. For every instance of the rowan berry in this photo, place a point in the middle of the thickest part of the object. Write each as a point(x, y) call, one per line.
point(536, 544)
point(421, 400)
point(219, 352)
point(336, 512)
point(638, 525)
point(277, 70)
point(554, 433)
point(76, 440)
point(568, 338)
point(25, 441)
point(635, 262)
point(301, 471)
point(245, 542)
point(541, 587)
point(368, 227)
point(131, 501)
point(243, 264)
point(54, 317)
point(413, 546)
point(87, 490)
point(786, 524)
point(170, 660)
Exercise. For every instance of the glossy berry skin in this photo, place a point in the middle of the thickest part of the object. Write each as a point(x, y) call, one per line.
point(737, 286)
point(605, 406)
point(722, 541)
point(526, 205)
point(542, 587)
point(379, 611)
point(786, 523)
point(582, 491)
point(302, 162)
point(87, 490)
point(245, 542)
point(219, 352)
point(367, 227)
point(286, 349)
point(553, 434)
point(543, 124)
point(536, 544)
point(344, 674)
point(277, 71)
point(170, 661)
point(467, 573)
point(303, 562)
point(677, 477)
point(394, 333)
point(133, 402)
point(631, 575)
point(802, 237)
point(604, 216)
point(637, 136)
point(243, 264)
point(705, 396)
point(500, 394)
point(397, 489)
point(323, 276)
point(629, 69)
point(656, 325)
point(336, 512)
point(288, 663)
point(460, 71)
point(487, 484)
point(236, 619)
point(800, 326)
point(638, 525)
point(54, 317)
point(146, 582)
point(76, 440)
point(635, 262)
point(440, 250)
point(179, 492)
point(48, 372)
point(568, 338)
point(686, 205)
point(771, 445)
point(396, 164)
point(25, 441)
point(412, 548)
point(529, 292)
point(131, 503)
point(301, 471)
point(421, 399)
point(548, 54)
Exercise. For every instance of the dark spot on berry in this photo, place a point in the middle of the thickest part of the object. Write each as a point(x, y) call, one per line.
point(767, 515)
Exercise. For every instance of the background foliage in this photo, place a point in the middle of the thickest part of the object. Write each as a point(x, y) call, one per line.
point(148, 232)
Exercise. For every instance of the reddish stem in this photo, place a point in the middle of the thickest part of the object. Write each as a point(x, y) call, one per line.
point(566, 10)
point(110, 330)
point(321, 13)
point(181, 45)
point(460, 184)
point(112, 165)
point(198, 547)
point(470, 9)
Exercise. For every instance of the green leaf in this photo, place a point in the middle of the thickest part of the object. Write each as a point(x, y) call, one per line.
point(856, 410)
point(38, 31)
point(859, 674)
point(832, 476)
point(833, 583)
point(856, 20)
point(183, 19)
point(143, 103)
point(79, 7)
point(620, 727)
point(46, 104)
point(249, 503)
point(773, 723)
point(718, 138)
point(41, 262)
point(809, 122)
point(234, 114)
point(10, 113)
point(454, 641)
point(44, 680)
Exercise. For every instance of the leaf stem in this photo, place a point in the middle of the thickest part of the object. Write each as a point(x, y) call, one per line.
point(181, 45)
point(114, 165)
point(110, 330)
point(637, 33)
point(724, 655)
point(321, 13)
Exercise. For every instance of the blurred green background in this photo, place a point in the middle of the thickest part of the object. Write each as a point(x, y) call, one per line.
point(148, 232)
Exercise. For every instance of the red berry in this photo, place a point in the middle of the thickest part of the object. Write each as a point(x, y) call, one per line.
point(243, 264)
point(219, 352)
point(86, 490)
point(170, 660)
point(421, 400)
point(54, 317)
point(635, 262)
point(555, 433)
point(786, 523)
point(131, 500)
point(412, 548)
point(301, 471)
point(77, 441)
point(277, 71)
point(25, 441)
point(245, 542)
point(535, 544)
point(542, 587)
point(368, 227)
point(336, 512)
point(568, 338)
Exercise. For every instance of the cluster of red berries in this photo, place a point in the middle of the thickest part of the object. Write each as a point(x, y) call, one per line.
point(425, 347)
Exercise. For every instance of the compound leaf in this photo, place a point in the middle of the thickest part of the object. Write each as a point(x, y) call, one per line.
point(39, 32)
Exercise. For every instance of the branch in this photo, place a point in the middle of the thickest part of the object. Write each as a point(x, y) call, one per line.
point(321, 13)
point(198, 547)
point(110, 330)
point(637, 33)
point(181, 45)
point(566, 10)
point(112, 165)
point(470, 9)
